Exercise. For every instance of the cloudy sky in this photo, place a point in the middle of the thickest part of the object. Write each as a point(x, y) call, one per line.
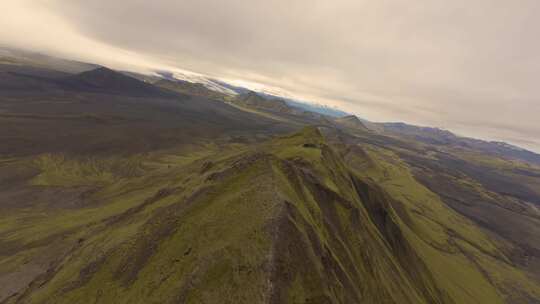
point(472, 67)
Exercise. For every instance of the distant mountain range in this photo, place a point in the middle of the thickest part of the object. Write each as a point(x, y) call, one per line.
point(117, 187)
point(443, 137)
point(231, 90)
point(200, 85)
point(424, 134)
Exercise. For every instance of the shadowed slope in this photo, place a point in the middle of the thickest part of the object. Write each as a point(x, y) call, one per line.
point(104, 80)
point(103, 111)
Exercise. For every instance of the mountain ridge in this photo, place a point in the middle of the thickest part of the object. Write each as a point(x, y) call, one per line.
point(17, 55)
point(325, 229)
point(112, 192)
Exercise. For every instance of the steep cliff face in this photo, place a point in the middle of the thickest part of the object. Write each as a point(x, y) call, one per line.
point(291, 220)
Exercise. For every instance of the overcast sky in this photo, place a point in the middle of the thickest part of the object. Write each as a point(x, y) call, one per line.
point(472, 67)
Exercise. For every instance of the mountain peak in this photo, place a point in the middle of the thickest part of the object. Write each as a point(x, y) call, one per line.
point(102, 75)
point(351, 121)
point(105, 80)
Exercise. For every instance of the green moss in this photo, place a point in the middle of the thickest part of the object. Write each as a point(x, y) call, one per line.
point(57, 170)
point(282, 221)
point(439, 234)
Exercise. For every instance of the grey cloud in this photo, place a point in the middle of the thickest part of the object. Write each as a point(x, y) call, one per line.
point(469, 66)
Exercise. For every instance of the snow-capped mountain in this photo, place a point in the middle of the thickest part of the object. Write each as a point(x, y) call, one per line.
point(210, 83)
point(233, 88)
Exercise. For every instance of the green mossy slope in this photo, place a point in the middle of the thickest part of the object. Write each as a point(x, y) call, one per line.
point(291, 220)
